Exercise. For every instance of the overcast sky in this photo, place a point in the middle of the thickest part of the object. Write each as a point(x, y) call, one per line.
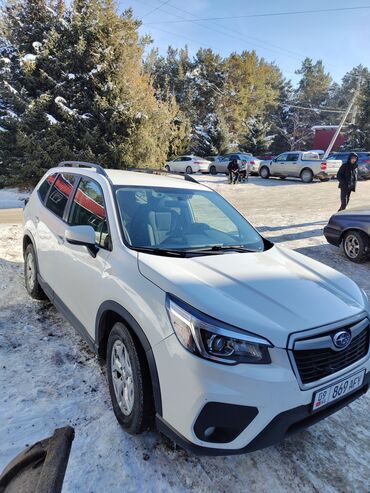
point(340, 38)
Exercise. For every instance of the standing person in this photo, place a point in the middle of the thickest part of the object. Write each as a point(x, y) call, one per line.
point(233, 168)
point(347, 176)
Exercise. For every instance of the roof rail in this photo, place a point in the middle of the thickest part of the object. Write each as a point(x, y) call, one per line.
point(82, 164)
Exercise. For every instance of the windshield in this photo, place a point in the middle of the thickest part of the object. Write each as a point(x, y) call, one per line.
point(182, 220)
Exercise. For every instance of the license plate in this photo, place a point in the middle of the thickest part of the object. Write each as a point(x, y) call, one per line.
point(337, 390)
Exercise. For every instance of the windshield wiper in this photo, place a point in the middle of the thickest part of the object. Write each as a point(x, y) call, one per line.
point(222, 248)
point(162, 251)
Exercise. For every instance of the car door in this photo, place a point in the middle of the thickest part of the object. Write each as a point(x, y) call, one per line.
point(50, 228)
point(291, 165)
point(80, 287)
point(277, 166)
point(179, 164)
point(221, 166)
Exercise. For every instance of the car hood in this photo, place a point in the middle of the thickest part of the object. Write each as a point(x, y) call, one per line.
point(354, 211)
point(272, 293)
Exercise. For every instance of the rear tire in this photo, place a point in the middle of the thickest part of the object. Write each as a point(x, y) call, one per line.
point(264, 172)
point(129, 381)
point(306, 175)
point(30, 274)
point(189, 170)
point(356, 245)
point(167, 168)
point(213, 170)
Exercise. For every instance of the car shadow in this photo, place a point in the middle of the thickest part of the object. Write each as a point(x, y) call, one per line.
point(264, 229)
point(296, 236)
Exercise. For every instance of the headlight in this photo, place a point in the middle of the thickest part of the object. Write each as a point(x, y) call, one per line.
point(214, 340)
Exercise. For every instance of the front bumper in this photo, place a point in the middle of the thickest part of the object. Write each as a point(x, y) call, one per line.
point(332, 235)
point(189, 383)
point(283, 425)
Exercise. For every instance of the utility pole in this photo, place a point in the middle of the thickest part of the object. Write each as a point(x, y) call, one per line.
point(352, 102)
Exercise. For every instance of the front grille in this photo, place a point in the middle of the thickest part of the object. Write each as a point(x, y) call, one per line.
point(314, 364)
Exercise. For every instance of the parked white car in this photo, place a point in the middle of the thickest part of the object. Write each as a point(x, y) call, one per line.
point(228, 341)
point(188, 164)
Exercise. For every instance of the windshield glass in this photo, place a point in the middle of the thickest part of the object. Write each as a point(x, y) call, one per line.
point(180, 219)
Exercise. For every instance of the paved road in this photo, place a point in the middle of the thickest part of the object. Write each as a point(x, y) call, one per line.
point(11, 216)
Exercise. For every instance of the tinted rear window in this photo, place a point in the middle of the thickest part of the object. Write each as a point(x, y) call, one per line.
point(45, 185)
point(59, 193)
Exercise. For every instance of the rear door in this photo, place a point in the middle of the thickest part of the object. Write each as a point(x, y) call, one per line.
point(221, 166)
point(291, 166)
point(80, 287)
point(51, 224)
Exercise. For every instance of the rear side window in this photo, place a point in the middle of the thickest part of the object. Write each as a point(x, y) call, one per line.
point(59, 193)
point(88, 209)
point(45, 185)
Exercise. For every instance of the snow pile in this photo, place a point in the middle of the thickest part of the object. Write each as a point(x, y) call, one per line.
point(29, 57)
point(62, 103)
point(12, 198)
point(51, 119)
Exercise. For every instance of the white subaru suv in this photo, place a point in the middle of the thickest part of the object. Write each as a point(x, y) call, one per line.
point(225, 340)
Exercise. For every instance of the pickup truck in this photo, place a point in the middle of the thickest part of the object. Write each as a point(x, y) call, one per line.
point(298, 164)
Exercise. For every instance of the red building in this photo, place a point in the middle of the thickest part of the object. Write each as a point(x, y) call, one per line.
point(323, 135)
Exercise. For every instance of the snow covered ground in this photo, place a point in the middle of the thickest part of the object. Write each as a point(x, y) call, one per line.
point(11, 198)
point(49, 378)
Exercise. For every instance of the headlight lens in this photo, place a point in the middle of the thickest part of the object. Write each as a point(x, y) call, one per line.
point(211, 339)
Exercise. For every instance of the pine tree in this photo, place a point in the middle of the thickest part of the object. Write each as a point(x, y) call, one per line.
point(81, 93)
point(313, 92)
point(256, 140)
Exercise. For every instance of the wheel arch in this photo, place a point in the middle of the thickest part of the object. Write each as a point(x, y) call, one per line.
point(354, 228)
point(108, 314)
point(307, 168)
point(264, 166)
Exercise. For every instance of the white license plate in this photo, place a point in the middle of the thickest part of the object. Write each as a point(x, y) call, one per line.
point(337, 390)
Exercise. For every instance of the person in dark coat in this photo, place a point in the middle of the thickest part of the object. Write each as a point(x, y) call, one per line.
point(233, 169)
point(347, 176)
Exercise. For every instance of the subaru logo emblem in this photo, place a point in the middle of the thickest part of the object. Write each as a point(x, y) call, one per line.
point(342, 339)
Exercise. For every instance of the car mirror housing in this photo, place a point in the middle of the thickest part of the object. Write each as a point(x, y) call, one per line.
point(82, 235)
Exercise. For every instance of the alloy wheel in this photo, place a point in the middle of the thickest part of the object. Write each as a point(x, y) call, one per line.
point(30, 271)
point(122, 377)
point(352, 246)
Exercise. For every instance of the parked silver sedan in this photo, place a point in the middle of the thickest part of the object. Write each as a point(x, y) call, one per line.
point(219, 165)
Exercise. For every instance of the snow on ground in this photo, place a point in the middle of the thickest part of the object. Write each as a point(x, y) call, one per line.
point(11, 198)
point(49, 378)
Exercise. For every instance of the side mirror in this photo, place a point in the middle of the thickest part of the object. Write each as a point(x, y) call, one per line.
point(274, 160)
point(82, 235)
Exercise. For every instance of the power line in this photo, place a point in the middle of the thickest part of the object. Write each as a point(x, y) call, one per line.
point(264, 44)
point(270, 14)
point(328, 110)
point(156, 8)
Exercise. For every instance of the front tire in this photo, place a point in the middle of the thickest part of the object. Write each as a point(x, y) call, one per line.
point(30, 274)
point(306, 176)
point(264, 172)
point(189, 170)
point(167, 168)
point(356, 245)
point(129, 381)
